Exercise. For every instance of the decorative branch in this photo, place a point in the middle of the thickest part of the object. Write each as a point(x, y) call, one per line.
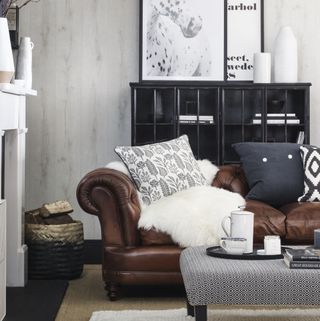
point(7, 6)
point(25, 3)
point(9, 3)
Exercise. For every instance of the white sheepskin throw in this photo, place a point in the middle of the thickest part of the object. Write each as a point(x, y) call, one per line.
point(119, 166)
point(192, 217)
point(208, 170)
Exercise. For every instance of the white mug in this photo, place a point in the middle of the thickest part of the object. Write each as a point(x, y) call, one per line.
point(241, 225)
point(233, 245)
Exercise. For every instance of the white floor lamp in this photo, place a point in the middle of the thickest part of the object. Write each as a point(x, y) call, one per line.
point(6, 57)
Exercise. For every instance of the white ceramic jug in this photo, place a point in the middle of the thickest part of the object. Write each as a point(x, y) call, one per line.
point(24, 63)
point(241, 225)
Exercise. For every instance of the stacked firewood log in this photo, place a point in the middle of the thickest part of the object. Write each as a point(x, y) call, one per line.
point(51, 214)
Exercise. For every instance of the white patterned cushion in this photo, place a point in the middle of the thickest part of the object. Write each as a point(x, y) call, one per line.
point(311, 163)
point(162, 169)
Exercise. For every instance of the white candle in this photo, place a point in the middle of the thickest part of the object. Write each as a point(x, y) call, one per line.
point(272, 244)
point(262, 67)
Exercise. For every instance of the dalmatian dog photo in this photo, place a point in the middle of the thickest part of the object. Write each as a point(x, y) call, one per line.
point(177, 43)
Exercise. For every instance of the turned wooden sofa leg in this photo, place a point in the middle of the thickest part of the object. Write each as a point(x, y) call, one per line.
point(113, 290)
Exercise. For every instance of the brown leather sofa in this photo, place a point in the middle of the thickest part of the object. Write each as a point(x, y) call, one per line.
point(135, 257)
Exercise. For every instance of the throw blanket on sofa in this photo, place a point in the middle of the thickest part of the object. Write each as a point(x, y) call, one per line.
point(192, 217)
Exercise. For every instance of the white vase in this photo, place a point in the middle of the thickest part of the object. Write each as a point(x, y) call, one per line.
point(262, 67)
point(24, 62)
point(285, 57)
point(6, 57)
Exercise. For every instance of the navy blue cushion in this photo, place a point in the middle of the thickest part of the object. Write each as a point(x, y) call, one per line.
point(274, 171)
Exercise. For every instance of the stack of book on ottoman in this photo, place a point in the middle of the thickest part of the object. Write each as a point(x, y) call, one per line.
point(308, 258)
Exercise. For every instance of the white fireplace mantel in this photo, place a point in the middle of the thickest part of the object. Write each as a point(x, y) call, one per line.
point(13, 127)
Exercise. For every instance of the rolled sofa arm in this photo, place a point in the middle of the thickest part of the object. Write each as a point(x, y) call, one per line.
point(111, 196)
point(232, 178)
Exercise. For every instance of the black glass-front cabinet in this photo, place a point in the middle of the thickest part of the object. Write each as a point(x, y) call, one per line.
point(216, 116)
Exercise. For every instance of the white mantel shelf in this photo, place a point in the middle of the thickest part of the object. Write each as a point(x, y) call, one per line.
point(17, 90)
point(13, 128)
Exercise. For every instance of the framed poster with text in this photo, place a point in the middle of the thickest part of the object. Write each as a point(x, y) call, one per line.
point(244, 37)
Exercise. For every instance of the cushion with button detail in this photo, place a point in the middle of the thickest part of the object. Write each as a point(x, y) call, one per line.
point(274, 171)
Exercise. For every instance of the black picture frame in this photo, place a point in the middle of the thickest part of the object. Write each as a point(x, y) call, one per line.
point(13, 23)
point(224, 45)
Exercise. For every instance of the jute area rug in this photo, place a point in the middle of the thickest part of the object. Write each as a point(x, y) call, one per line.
point(213, 315)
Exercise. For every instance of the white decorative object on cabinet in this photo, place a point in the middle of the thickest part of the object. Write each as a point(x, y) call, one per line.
point(2, 259)
point(285, 57)
point(13, 127)
point(262, 67)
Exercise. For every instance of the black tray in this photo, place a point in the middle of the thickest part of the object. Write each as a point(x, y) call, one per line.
point(218, 251)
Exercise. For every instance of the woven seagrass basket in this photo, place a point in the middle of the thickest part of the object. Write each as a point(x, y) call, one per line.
point(55, 251)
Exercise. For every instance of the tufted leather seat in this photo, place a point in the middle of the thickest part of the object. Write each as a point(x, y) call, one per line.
point(231, 178)
point(131, 256)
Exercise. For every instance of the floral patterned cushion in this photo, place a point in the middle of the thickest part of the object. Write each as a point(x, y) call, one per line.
point(162, 169)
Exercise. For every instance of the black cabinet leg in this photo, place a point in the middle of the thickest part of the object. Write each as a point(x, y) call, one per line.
point(201, 312)
point(190, 309)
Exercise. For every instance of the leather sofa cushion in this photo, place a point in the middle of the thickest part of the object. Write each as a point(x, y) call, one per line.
point(154, 237)
point(231, 178)
point(302, 220)
point(144, 258)
point(267, 220)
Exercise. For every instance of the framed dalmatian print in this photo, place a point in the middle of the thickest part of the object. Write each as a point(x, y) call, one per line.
point(182, 40)
point(199, 40)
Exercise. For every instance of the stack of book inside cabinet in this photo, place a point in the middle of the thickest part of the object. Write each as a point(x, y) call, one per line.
point(277, 118)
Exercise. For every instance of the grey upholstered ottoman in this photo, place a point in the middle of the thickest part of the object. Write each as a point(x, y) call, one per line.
point(210, 280)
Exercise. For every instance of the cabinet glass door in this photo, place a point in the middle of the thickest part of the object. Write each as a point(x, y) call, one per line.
point(285, 118)
point(153, 115)
point(242, 113)
point(198, 117)
point(209, 124)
